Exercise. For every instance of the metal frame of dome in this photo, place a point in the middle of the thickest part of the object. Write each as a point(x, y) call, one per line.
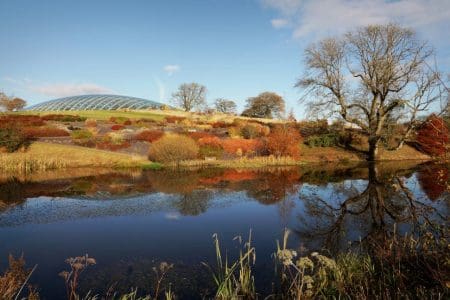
point(95, 102)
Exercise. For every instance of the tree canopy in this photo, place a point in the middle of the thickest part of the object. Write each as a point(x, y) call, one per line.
point(11, 103)
point(369, 76)
point(225, 106)
point(265, 105)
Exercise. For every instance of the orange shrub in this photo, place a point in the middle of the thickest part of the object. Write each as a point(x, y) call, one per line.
point(90, 123)
point(433, 136)
point(20, 120)
point(212, 141)
point(242, 146)
point(174, 119)
point(200, 134)
point(149, 135)
point(36, 132)
point(284, 141)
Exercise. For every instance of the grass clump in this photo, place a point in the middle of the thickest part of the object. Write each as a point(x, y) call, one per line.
point(173, 148)
point(12, 139)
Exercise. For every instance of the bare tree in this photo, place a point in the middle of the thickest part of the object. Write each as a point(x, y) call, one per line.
point(369, 76)
point(11, 103)
point(190, 96)
point(225, 106)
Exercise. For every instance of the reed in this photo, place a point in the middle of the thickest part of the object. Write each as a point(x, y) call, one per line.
point(245, 162)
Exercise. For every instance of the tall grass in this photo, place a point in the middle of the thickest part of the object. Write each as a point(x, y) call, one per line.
point(255, 162)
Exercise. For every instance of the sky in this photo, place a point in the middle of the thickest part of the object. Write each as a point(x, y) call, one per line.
point(236, 48)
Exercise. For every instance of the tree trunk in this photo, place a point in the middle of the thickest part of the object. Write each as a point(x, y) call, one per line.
point(373, 149)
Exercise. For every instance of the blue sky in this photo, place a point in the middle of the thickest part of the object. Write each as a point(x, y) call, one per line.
point(237, 48)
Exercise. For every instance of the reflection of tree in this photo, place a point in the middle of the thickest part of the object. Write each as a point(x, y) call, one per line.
point(195, 203)
point(433, 179)
point(358, 211)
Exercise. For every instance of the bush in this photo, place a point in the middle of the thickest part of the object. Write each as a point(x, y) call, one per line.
point(432, 136)
point(113, 141)
point(90, 123)
point(323, 140)
point(63, 118)
point(149, 135)
point(81, 134)
point(174, 119)
point(36, 132)
point(284, 141)
point(21, 120)
point(117, 127)
point(242, 146)
point(12, 139)
point(120, 120)
point(254, 130)
point(200, 135)
point(310, 128)
point(173, 148)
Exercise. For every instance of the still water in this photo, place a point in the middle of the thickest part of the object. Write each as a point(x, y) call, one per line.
point(130, 221)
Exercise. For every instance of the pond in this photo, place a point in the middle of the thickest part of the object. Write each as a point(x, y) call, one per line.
point(131, 221)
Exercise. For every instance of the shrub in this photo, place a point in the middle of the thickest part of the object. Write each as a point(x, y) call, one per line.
point(210, 146)
point(63, 118)
point(90, 123)
point(12, 139)
point(81, 134)
point(36, 132)
point(20, 120)
point(219, 124)
point(173, 148)
point(174, 119)
point(254, 130)
point(149, 135)
point(284, 141)
point(310, 128)
point(432, 136)
point(120, 120)
point(323, 140)
point(113, 141)
point(200, 135)
point(117, 127)
point(242, 146)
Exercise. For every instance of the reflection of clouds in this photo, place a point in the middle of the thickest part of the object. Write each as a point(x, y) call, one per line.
point(172, 215)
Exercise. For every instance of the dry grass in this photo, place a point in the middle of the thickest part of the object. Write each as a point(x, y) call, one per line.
point(45, 156)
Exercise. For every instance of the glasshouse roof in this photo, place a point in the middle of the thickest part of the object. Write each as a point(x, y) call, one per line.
point(95, 102)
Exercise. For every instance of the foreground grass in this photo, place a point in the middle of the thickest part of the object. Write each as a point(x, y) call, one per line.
point(392, 267)
point(45, 156)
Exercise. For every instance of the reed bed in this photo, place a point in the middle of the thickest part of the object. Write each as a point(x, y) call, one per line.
point(244, 162)
point(45, 156)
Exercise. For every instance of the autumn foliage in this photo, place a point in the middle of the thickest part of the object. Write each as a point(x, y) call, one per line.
point(284, 141)
point(242, 146)
point(44, 131)
point(173, 148)
point(433, 180)
point(149, 135)
point(433, 135)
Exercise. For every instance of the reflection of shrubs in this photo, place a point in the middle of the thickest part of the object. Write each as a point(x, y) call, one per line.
point(35, 132)
point(242, 146)
point(149, 135)
point(12, 139)
point(433, 136)
point(173, 148)
point(433, 180)
point(284, 141)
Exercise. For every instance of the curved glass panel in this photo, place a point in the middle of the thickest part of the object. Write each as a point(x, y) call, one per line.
point(95, 102)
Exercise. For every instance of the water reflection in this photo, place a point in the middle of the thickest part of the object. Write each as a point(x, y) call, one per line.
point(130, 220)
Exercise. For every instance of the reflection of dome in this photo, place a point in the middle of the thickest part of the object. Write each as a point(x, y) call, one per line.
point(95, 102)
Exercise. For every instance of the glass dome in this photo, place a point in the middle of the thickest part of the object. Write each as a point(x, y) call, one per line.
point(95, 102)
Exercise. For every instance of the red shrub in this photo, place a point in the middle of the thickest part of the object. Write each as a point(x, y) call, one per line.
point(127, 123)
point(232, 146)
point(20, 121)
point(149, 135)
point(36, 132)
point(117, 127)
point(199, 135)
point(284, 141)
point(174, 119)
point(220, 124)
point(105, 145)
point(432, 136)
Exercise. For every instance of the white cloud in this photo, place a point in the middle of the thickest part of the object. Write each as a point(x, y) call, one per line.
point(171, 69)
point(68, 89)
point(312, 17)
point(279, 23)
